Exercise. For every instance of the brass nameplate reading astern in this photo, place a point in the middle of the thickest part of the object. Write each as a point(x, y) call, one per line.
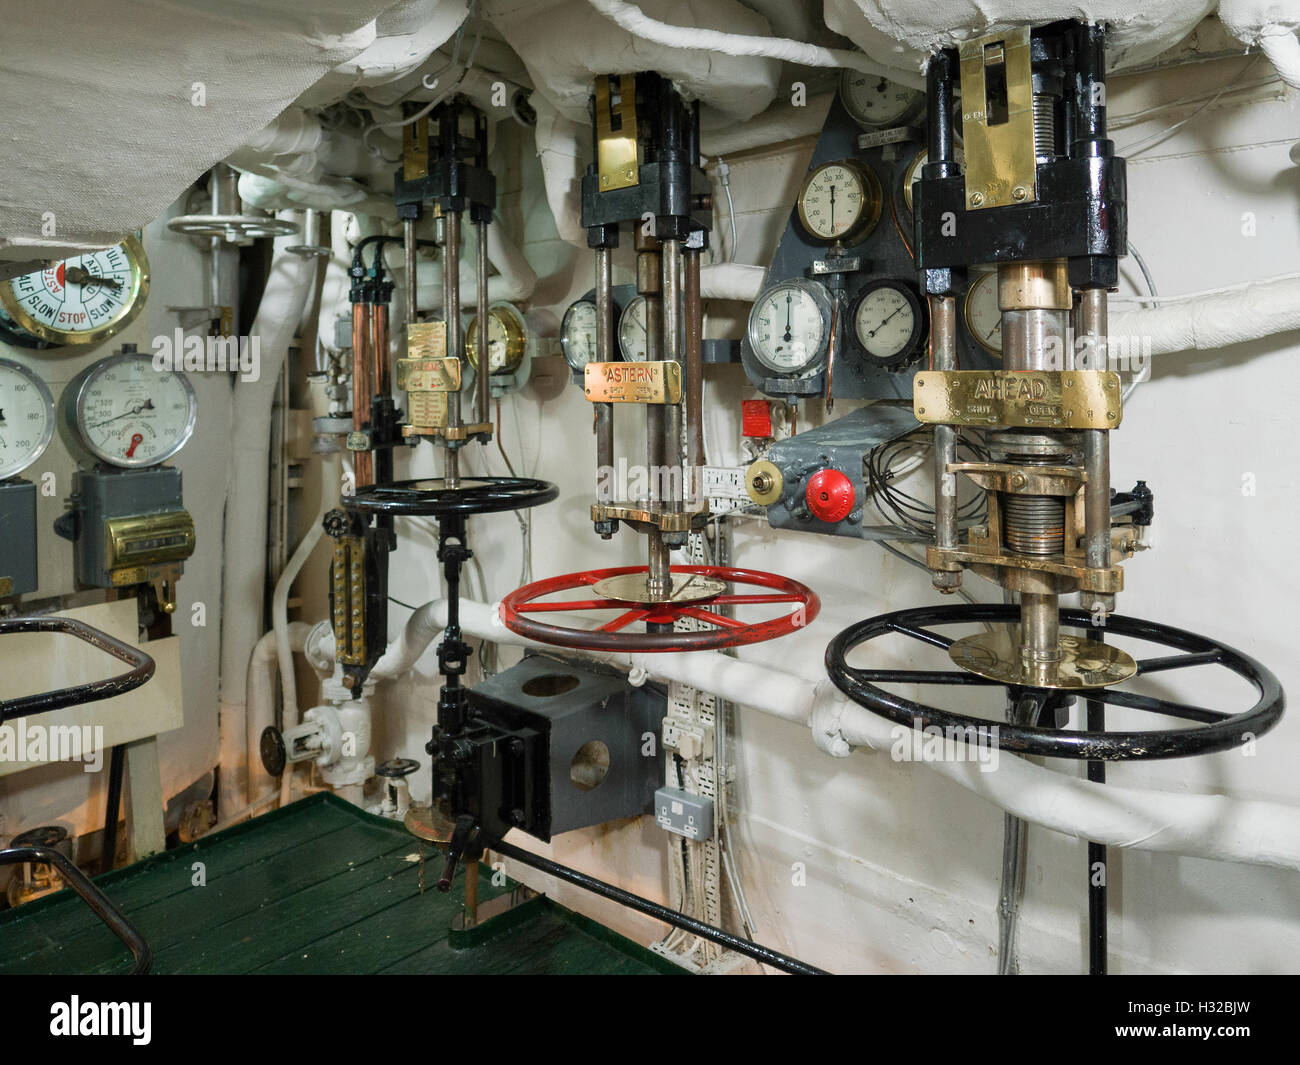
point(633, 382)
point(428, 375)
point(1047, 399)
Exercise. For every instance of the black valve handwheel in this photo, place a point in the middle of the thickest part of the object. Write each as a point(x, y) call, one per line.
point(1215, 730)
point(430, 496)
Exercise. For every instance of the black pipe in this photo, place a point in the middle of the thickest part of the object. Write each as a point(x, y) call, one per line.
point(116, 766)
point(1097, 851)
point(940, 157)
point(91, 895)
point(662, 913)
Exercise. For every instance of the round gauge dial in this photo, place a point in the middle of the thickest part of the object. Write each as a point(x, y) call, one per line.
point(789, 326)
point(876, 102)
point(507, 339)
point(982, 314)
point(26, 417)
point(889, 322)
point(839, 202)
point(81, 300)
point(632, 330)
point(578, 334)
point(913, 172)
point(128, 414)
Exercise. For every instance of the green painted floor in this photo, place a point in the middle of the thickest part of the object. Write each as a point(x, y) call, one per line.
point(318, 887)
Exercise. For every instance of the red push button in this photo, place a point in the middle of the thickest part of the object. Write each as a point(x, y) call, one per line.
point(830, 495)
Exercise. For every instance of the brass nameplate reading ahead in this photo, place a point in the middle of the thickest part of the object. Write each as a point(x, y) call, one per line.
point(1064, 399)
point(633, 382)
point(428, 375)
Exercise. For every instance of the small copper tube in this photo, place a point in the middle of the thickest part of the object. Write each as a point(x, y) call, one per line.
point(361, 387)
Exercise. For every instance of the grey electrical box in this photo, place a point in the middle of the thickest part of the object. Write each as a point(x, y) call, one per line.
point(686, 814)
point(128, 527)
point(18, 537)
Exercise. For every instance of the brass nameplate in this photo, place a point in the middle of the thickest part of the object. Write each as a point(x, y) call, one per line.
point(997, 120)
point(426, 411)
point(1055, 399)
point(616, 160)
point(428, 375)
point(415, 150)
point(633, 382)
point(426, 340)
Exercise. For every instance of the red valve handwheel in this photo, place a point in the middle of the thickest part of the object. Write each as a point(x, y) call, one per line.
point(612, 636)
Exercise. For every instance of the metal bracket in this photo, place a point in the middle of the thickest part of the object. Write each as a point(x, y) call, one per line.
point(616, 160)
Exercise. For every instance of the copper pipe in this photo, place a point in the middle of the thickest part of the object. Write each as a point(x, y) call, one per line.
point(363, 466)
point(379, 362)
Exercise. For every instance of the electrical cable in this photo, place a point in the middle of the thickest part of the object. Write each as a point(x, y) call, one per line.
point(1144, 143)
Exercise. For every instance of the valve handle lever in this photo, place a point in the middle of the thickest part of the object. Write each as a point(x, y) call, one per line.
point(456, 847)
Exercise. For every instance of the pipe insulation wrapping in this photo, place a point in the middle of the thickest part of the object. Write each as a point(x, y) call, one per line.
point(1214, 320)
point(1271, 26)
point(1217, 827)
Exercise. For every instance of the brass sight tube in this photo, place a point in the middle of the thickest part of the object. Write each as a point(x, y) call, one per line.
point(362, 461)
point(451, 312)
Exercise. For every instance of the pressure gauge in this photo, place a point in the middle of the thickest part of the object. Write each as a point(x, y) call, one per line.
point(632, 330)
point(913, 172)
point(982, 313)
point(578, 334)
point(790, 325)
point(889, 322)
point(877, 103)
point(26, 417)
point(78, 301)
point(839, 202)
point(507, 339)
point(128, 414)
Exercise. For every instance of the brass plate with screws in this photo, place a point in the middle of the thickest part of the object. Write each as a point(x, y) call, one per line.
point(616, 160)
point(428, 375)
point(633, 382)
point(1037, 399)
point(998, 129)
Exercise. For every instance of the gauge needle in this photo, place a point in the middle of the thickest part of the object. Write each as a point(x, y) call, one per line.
point(884, 323)
point(136, 408)
point(788, 334)
point(78, 276)
point(136, 441)
point(832, 208)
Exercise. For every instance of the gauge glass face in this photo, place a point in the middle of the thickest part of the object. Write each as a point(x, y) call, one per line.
point(983, 316)
point(787, 328)
point(632, 330)
point(79, 300)
point(838, 202)
point(129, 414)
point(26, 417)
point(875, 101)
point(885, 322)
point(913, 172)
point(578, 334)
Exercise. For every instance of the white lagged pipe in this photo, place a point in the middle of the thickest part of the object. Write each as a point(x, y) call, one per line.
point(731, 281)
point(1283, 50)
point(636, 22)
point(1214, 319)
point(1204, 826)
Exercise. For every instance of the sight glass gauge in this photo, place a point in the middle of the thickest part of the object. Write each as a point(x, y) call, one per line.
point(889, 322)
point(26, 417)
point(507, 339)
point(982, 313)
point(578, 334)
point(790, 326)
point(877, 103)
point(839, 202)
point(632, 330)
point(128, 414)
point(77, 301)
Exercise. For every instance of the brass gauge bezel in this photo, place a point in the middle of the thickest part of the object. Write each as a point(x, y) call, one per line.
point(908, 116)
point(990, 276)
point(516, 337)
point(12, 467)
point(139, 292)
point(913, 167)
point(866, 220)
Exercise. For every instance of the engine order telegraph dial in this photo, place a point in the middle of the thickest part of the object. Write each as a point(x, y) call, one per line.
point(790, 326)
point(26, 417)
point(877, 103)
point(127, 414)
point(839, 202)
point(889, 322)
point(77, 301)
point(632, 330)
point(982, 313)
